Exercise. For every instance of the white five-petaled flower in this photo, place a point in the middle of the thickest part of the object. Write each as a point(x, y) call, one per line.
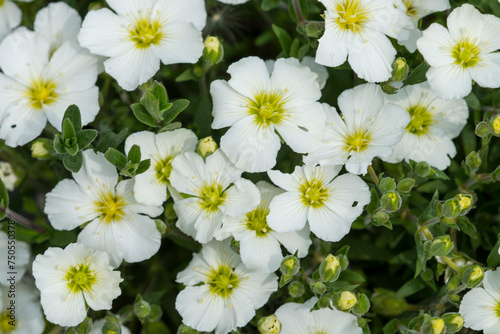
point(10, 16)
point(221, 293)
point(320, 70)
point(14, 253)
point(153, 186)
point(417, 9)
point(368, 128)
point(357, 30)
point(299, 319)
point(256, 104)
point(480, 306)
point(316, 194)
point(434, 123)
point(71, 278)
point(37, 85)
point(463, 53)
point(215, 189)
point(117, 224)
point(141, 33)
point(259, 244)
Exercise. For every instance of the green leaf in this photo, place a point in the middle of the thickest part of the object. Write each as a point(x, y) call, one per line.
point(59, 145)
point(160, 93)
point(116, 157)
point(270, 4)
point(71, 149)
point(68, 131)
point(417, 75)
point(437, 174)
point(186, 76)
point(177, 107)
point(134, 155)
point(374, 203)
point(85, 138)
point(152, 105)
point(467, 227)
point(430, 211)
point(409, 288)
point(170, 127)
point(284, 39)
point(494, 258)
point(73, 114)
point(111, 139)
point(4, 200)
point(73, 163)
point(473, 102)
point(143, 166)
point(142, 115)
point(391, 327)
point(421, 255)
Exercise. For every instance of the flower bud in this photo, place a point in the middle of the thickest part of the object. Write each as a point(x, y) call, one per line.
point(465, 202)
point(206, 146)
point(439, 246)
point(495, 125)
point(422, 169)
point(214, 52)
point(318, 288)
point(347, 300)
point(362, 306)
point(386, 303)
point(391, 201)
point(453, 322)
point(482, 129)
point(95, 6)
point(296, 289)
point(405, 185)
point(329, 269)
point(161, 226)
point(40, 149)
point(386, 184)
point(450, 208)
point(7, 175)
point(437, 326)
point(473, 276)
point(269, 325)
point(324, 302)
point(290, 265)
point(141, 308)
point(400, 69)
point(380, 218)
point(473, 160)
point(314, 29)
point(183, 329)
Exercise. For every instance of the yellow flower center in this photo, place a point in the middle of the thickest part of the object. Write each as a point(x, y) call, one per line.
point(111, 207)
point(352, 16)
point(212, 197)
point(256, 221)
point(163, 169)
point(420, 120)
point(1, 2)
point(145, 33)
point(466, 54)
point(357, 141)
point(222, 281)
point(41, 93)
point(314, 193)
point(267, 108)
point(411, 10)
point(80, 278)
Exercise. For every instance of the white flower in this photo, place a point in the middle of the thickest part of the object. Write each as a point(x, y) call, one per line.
point(10, 16)
point(7, 175)
point(417, 9)
point(259, 244)
point(152, 186)
point(434, 123)
point(71, 278)
point(233, 2)
point(215, 189)
point(25, 316)
point(256, 104)
point(368, 128)
point(316, 194)
point(462, 53)
point(13, 253)
point(358, 29)
point(116, 223)
point(479, 307)
point(36, 85)
point(298, 319)
point(142, 33)
point(320, 70)
point(221, 293)
point(99, 324)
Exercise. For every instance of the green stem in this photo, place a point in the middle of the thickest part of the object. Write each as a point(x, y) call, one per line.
point(298, 12)
point(373, 175)
point(22, 220)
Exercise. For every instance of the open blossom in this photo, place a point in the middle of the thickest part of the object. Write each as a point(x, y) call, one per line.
point(369, 128)
point(256, 104)
point(215, 189)
point(298, 318)
point(463, 53)
point(221, 293)
point(10, 16)
point(479, 307)
point(117, 224)
point(417, 9)
point(259, 244)
point(153, 186)
point(330, 203)
point(70, 279)
point(37, 85)
point(434, 123)
point(140, 34)
point(358, 30)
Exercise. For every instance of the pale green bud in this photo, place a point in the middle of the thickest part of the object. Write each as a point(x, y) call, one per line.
point(473, 160)
point(437, 326)
point(400, 69)
point(453, 322)
point(347, 300)
point(473, 276)
point(40, 149)
point(329, 269)
point(391, 201)
point(465, 202)
point(422, 169)
point(451, 208)
point(482, 129)
point(296, 289)
point(495, 125)
point(206, 146)
point(290, 265)
point(269, 325)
